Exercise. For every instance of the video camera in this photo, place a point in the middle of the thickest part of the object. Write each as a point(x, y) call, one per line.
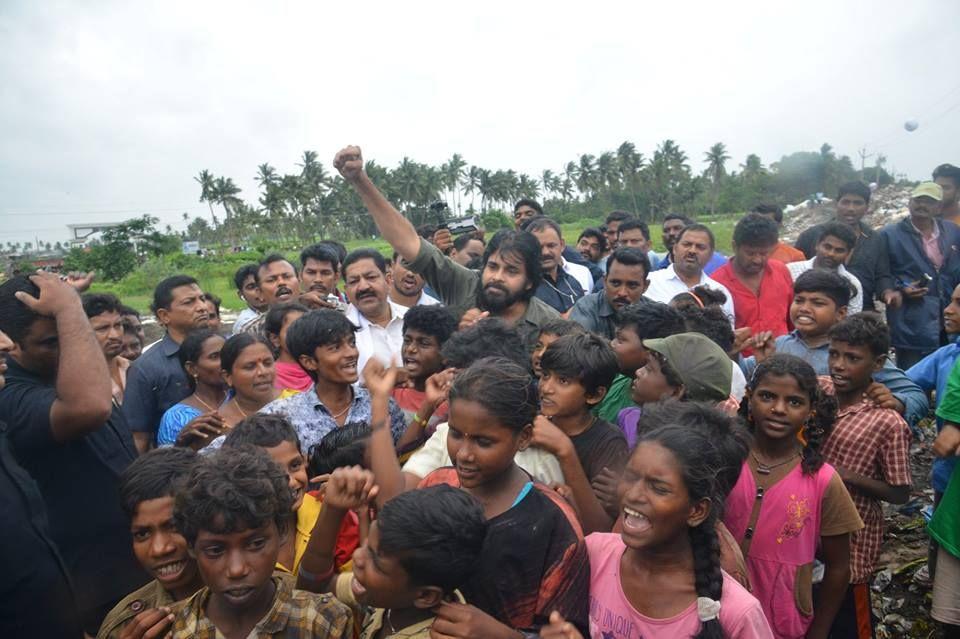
point(456, 226)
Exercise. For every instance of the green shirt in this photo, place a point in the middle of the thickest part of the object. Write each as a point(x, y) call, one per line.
point(458, 286)
point(945, 525)
point(948, 406)
point(616, 399)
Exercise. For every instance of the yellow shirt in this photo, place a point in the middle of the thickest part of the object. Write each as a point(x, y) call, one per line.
point(307, 515)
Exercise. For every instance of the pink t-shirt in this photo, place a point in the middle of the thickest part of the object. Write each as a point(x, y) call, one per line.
point(613, 617)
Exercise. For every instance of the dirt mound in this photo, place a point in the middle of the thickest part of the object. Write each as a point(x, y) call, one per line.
point(888, 204)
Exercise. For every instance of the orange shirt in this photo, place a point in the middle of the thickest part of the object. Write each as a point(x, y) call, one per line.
point(786, 253)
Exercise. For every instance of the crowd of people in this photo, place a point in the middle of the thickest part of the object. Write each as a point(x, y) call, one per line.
point(489, 437)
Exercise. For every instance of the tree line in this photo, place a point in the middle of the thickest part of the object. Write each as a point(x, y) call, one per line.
point(311, 203)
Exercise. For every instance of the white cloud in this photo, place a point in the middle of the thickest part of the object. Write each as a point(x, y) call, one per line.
point(116, 106)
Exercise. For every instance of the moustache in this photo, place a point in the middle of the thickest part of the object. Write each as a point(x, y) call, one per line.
point(283, 290)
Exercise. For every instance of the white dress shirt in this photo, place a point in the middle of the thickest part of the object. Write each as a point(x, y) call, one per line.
point(580, 273)
point(856, 301)
point(665, 285)
point(375, 340)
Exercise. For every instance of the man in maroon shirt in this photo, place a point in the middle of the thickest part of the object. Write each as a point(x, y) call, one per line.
point(762, 288)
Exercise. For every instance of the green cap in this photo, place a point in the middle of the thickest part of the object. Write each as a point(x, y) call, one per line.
point(706, 371)
point(928, 189)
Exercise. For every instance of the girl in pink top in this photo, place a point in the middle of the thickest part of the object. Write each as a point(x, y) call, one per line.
point(290, 375)
point(788, 502)
point(661, 577)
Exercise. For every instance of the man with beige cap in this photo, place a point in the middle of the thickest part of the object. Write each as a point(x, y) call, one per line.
point(925, 263)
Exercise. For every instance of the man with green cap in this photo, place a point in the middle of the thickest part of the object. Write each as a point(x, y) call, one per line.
point(924, 255)
point(687, 367)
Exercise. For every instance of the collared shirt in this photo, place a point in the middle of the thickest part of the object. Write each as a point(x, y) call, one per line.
point(665, 284)
point(872, 442)
point(897, 382)
point(931, 244)
point(35, 595)
point(936, 372)
point(856, 301)
point(374, 618)
point(595, 314)
point(457, 287)
point(295, 614)
point(155, 382)
point(870, 261)
point(716, 261)
point(786, 253)
point(79, 480)
point(386, 343)
point(766, 311)
point(563, 293)
point(118, 386)
point(153, 595)
point(246, 316)
point(313, 420)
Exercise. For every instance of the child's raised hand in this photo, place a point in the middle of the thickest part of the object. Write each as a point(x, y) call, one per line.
point(559, 628)
point(149, 624)
point(438, 386)
point(379, 379)
point(471, 317)
point(764, 345)
point(547, 436)
point(349, 487)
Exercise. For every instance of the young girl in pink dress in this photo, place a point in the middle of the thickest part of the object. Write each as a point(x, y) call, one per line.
point(661, 577)
point(788, 502)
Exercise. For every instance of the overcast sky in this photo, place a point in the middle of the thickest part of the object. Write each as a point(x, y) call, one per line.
point(108, 109)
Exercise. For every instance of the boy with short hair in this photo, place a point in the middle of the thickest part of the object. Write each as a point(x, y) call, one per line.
point(248, 290)
point(147, 491)
point(276, 437)
point(819, 303)
point(576, 372)
point(425, 331)
point(870, 447)
point(234, 513)
point(635, 323)
point(836, 243)
point(424, 544)
point(550, 333)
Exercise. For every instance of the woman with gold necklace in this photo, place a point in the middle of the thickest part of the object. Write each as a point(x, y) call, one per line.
point(195, 420)
point(247, 366)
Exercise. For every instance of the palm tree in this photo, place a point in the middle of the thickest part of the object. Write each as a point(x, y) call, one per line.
point(586, 180)
point(716, 159)
point(452, 174)
point(470, 183)
point(206, 181)
point(606, 171)
point(629, 163)
point(225, 194)
point(527, 187)
point(547, 179)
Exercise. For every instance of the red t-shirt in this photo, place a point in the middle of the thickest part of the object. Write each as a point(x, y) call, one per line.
point(768, 311)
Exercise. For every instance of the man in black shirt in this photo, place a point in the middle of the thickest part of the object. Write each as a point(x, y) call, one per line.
point(68, 434)
point(869, 261)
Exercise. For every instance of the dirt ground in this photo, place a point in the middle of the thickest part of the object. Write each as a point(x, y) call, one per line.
point(901, 597)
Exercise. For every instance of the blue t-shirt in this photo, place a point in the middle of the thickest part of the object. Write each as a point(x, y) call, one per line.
point(176, 417)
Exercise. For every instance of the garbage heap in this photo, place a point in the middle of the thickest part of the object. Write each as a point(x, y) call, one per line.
point(888, 204)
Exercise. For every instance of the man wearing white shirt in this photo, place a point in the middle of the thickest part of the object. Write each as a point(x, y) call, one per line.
point(406, 287)
point(836, 242)
point(692, 250)
point(379, 319)
point(563, 282)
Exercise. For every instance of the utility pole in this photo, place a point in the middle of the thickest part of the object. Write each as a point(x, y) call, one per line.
point(863, 158)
